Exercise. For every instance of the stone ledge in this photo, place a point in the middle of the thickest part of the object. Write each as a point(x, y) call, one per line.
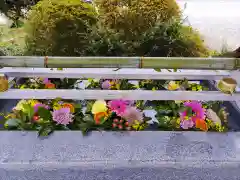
point(112, 155)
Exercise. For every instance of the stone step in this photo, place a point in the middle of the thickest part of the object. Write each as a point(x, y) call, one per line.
point(115, 156)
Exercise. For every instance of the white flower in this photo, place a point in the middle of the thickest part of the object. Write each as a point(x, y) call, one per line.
point(213, 117)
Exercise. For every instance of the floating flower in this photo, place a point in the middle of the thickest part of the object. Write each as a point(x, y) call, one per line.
point(99, 106)
point(50, 86)
point(131, 114)
point(186, 124)
point(201, 124)
point(172, 85)
point(197, 110)
point(70, 106)
point(100, 117)
point(37, 106)
point(106, 84)
point(62, 116)
point(117, 106)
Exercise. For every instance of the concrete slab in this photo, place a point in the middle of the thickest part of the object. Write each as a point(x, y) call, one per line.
point(110, 156)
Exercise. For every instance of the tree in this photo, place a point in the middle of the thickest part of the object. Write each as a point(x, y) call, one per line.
point(14, 9)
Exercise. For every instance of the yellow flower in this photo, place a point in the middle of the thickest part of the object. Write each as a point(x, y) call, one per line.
point(138, 126)
point(178, 122)
point(33, 102)
point(99, 106)
point(19, 106)
point(70, 106)
point(178, 102)
point(23, 86)
point(57, 106)
point(172, 85)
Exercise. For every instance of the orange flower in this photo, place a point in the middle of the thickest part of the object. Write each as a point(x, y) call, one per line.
point(201, 124)
point(70, 106)
point(99, 116)
point(50, 86)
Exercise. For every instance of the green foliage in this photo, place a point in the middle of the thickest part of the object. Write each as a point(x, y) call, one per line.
point(13, 9)
point(136, 16)
point(171, 39)
point(59, 27)
point(163, 39)
point(11, 41)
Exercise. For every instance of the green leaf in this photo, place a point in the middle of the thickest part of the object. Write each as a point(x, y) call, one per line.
point(29, 110)
point(78, 106)
point(88, 118)
point(158, 69)
point(45, 131)
point(44, 113)
point(12, 123)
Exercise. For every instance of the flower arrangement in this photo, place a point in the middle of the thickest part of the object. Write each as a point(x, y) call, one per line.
point(46, 116)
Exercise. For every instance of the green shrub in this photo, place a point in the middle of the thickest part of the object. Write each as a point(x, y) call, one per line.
point(106, 42)
point(59, 27)
point(171, 39)
point(11, 41)
point(136, 16)
point(164, 39)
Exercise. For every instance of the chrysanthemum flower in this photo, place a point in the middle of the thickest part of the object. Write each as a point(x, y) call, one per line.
point(132, 114)
point(62, 116)
point(106, 85)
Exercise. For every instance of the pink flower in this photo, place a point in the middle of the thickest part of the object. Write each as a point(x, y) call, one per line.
point(197, 109)
point(186, 124)
point(117, 106)
point(46, 81)
point(37, 106)
point(62, 116)
point(106, 84)
point(132, 114)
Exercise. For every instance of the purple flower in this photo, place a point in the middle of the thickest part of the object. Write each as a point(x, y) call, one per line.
point(106, 84)
point(46, 81)
point(62, 116)
point(37, 106)
point(186, 124)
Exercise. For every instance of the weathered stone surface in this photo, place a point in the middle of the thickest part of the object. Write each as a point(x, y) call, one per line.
point(110, 156)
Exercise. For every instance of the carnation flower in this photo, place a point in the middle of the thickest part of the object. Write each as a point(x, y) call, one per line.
point(201, 124)
point(50, 86)
point(70, 106)
point(62, 116)
point(197, 109)
point(118, 106)
point(186, 124)
point(37, 106)
point(132, 114)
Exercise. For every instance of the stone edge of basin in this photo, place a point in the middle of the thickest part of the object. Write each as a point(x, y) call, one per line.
point(24, 150)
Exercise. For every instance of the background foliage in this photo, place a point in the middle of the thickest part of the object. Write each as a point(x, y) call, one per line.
point(59, 27)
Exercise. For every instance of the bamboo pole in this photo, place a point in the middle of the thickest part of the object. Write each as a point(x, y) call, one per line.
point(122, 62)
